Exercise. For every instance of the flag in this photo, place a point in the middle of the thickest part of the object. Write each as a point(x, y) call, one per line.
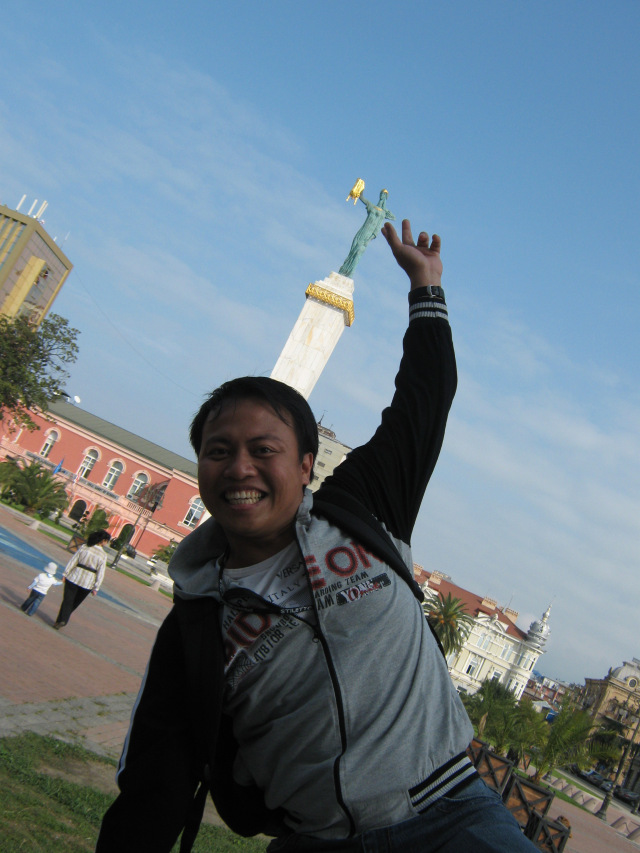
point(58, 466)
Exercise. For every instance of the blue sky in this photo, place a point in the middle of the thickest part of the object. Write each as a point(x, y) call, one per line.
point(198, 157)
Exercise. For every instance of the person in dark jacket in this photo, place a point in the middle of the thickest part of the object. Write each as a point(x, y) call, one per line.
point(296, 677)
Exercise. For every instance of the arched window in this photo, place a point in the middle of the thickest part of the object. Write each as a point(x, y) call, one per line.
point(138, 485)
point(51, 440)
point(87, 464)
point(113, 474)
point(195, 513)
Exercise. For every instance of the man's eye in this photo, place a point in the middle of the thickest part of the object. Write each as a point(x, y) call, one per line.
point(264, 451)
point(216, 453)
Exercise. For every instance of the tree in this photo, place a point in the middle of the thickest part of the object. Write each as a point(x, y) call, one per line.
point(571, 739)
point(527, 732)
point(98, 521)
point(166, 552)
point(31, 364)
point(449, 619)
point(33, 487)
point(490, 707)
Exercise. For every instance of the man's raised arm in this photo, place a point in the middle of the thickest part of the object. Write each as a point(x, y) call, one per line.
point(388, 474)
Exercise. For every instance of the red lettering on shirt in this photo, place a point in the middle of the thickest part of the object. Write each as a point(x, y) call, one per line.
point(346, 554)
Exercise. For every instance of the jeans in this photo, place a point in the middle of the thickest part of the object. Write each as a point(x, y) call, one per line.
point(32, 603)
point(473, 820)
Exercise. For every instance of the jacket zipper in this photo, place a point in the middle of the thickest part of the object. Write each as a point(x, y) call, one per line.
point(338, 697)
point(319, 636)
point(343, 732)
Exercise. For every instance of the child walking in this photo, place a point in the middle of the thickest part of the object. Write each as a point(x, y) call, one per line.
point(39, 587)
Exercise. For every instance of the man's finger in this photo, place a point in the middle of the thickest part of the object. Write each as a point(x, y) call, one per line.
point(390, 235)
point(407, 236)
point(435, 243)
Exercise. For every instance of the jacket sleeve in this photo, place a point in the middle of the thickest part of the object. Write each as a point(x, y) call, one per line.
point(156, 775)
point(389, 474)
point(100, 572)
point(73, 562)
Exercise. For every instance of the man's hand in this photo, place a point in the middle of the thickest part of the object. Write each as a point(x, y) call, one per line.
point(420, 261)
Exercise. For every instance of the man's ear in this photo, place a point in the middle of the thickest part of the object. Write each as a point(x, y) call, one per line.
point(306, 466)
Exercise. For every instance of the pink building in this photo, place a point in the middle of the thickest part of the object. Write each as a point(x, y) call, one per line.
point(134, 481)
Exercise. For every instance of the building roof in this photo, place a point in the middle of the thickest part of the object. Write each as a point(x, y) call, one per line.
point(475, 605)
point(126, 439)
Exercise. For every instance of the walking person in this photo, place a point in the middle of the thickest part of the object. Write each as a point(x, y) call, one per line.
point(83, 574)
point(39, 587)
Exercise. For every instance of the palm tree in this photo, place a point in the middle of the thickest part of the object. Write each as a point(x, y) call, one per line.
point(32, 486)
point(528, 732)
point(490, 710)
point(450, 620)
point(571, 739)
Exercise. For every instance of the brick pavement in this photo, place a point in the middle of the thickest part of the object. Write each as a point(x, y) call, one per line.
point(79, 684)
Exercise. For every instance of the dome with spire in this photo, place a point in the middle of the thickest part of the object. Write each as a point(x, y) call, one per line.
point(539, 630)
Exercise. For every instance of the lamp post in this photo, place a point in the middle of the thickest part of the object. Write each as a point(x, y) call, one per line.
point(148, 500)
point(602, 811)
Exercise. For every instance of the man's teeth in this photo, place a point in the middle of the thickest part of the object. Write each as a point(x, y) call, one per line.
point(243, 498)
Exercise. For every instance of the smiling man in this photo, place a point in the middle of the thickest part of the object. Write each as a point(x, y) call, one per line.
point(296, 677)
point(251, 471)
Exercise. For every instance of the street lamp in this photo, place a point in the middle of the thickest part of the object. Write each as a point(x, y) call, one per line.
point(602, 811)
point(148, 500)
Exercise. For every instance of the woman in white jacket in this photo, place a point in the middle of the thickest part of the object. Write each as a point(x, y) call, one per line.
point(83, 574)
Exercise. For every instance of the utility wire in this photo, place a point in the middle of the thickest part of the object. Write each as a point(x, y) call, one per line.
point(78, 278)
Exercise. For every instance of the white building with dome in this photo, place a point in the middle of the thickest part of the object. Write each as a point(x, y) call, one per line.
point(496, 647)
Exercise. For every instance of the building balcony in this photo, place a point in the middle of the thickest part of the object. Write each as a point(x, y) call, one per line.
point(121, 500)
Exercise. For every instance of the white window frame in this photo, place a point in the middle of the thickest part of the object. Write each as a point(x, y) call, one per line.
point(116, 469)
point(51, 439)
point(139, 482)
point(472, 667)
point(86, 466)
point(194, 513)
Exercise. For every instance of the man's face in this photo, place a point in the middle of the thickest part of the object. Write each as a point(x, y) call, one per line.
point(251, 478)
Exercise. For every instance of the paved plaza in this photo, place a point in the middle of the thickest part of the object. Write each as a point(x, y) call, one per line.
point(79, 684)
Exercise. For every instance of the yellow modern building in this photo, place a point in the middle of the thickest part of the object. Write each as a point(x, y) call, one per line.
point(33, 268)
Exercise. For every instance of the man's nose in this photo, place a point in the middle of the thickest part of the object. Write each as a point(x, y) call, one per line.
point(240, 465)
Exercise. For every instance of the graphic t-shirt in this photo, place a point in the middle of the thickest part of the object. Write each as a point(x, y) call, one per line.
point(250, 637)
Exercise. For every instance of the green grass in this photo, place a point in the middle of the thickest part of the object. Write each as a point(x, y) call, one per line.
point(132, 576)
point(143, 581)
point(42, 813)
point(52, 535)
point(560, 795)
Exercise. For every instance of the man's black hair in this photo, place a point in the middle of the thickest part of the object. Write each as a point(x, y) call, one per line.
point(287, 403)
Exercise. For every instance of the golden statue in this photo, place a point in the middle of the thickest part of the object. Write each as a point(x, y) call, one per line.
point(356, 191)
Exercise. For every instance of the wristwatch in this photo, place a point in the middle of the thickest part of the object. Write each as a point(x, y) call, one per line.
point(435, 291)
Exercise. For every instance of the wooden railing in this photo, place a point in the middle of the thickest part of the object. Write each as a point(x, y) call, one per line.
point(528, 803)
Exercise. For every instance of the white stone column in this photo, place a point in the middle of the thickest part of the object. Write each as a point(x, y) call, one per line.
point(327, 310)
